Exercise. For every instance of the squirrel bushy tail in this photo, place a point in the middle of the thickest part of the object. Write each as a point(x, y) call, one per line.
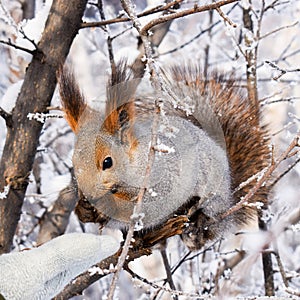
point(247, 147)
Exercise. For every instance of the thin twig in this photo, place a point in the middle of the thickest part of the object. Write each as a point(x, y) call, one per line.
point(9, 43)
point(284, 173)
point(8, 18)
point(290, 100)
point(278, 29)
point(208, 29)
point(121, 261)
point(281, 268)
point(292, 292)
point(168, 270)
point(154, 10)
point(274, 164)
point(25, 36)
point(172, 292)
point(129, 8)
point(284, 58)
point(266, 258)
point(274, 4)
point(184, 13)
point(251, 38)
point(282, 71)
point(109, 39)
point(285, 127)
point(225, 18)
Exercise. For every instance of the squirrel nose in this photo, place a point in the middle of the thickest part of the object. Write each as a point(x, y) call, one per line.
point(114, 189)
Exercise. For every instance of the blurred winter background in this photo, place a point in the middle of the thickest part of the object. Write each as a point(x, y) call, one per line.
point(213, 43)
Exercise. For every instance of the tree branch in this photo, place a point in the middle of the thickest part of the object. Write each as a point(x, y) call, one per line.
point(282, 71)
point(9, 43)
point(7, 117)
point(168, 270)
point(151, 11)
point(184, 13)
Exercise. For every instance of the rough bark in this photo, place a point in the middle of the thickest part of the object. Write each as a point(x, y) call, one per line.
point(35, 96)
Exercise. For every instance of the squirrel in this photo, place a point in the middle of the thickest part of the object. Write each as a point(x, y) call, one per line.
point(208, 142)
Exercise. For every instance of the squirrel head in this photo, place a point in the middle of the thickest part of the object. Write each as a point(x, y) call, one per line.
point(111, 153)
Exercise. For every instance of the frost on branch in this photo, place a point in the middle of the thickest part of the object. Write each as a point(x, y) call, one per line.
point(41, 117)
point(5, 192)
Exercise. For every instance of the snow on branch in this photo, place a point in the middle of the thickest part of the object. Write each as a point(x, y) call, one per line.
point(42, 117)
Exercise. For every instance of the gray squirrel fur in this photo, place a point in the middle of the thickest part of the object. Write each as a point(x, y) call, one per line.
point(208, 142)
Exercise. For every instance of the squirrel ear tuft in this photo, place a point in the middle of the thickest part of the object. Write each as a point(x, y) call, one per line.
point(120, 92)
point(72, 99)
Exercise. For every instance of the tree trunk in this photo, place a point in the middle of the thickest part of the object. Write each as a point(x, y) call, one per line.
point(251, 60)
point(35, 96)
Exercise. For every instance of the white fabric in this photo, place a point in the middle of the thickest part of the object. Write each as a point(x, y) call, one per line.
point(41, 273)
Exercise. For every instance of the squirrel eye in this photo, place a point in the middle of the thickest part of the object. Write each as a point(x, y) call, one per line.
point(107, 163)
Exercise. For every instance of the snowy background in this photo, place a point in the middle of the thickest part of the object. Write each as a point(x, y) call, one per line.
point(188, 39)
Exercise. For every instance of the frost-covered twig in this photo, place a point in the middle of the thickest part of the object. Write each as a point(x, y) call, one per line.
point(225, 17)
point(285, 127)
point(183, 45)
point(281, 268)
point(42, 117)
point(128, 6)
point(279, 29)
point(281, 70)
point(154, 10)
point(293, 292)
point(18, 30)
point(183, 13)
point(250, 179)
point(291, 100)
point(274, 4)
point(274, 164)
point(168, 290)
point(290, 167)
